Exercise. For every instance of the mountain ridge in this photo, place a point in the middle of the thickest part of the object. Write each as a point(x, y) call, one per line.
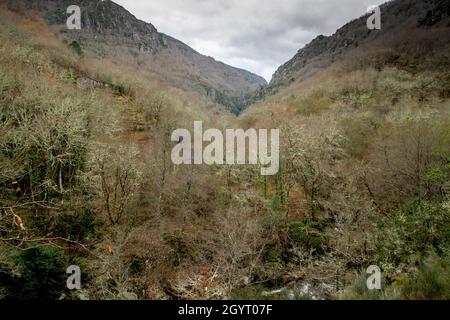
point(107, 27)
point(322, 51)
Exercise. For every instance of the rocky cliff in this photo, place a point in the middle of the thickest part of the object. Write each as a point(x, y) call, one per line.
point(108, 29)
point(400, 20)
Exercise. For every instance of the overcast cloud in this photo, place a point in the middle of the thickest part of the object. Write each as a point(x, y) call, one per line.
point(256, 35)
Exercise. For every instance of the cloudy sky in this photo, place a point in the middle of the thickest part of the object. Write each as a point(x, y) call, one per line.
point(256, 35)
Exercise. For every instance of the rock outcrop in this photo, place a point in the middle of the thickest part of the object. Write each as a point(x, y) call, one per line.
point(108, 29)
point(397, 16)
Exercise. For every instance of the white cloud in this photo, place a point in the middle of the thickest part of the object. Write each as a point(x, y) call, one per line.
point(256, 35)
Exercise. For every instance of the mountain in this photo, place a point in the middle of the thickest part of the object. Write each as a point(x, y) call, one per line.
point(87, 177)
point(407, 25)
point(111, 31)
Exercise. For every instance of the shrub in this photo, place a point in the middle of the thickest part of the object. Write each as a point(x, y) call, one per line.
point(149, 109)
point(181, 249)
point(404, 154)
point(75, 45)
point(358, 132)
point(251, 292)
point(416, 229)
point(311, 238)
point(359, 291)
point(432, 282)
point(41, 273)
point(114, 175)
point(355, 96)
point(77, 225)
point(273, 252)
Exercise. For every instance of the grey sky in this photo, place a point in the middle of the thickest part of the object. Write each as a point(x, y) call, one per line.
point(256, 35)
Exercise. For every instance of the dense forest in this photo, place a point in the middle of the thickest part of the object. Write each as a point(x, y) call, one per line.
point(86, 179)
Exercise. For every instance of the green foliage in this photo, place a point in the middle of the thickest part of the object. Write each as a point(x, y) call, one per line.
point(273, 252)
point(41, 273)
point(119, 89)
point(432, 281)
point(77, 226)
point(302, 234)
point(414, 230)
point(436, 174)
point(263, 183)
point(75, 45)
point(440, 175)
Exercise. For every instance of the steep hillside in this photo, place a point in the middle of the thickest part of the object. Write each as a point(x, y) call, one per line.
point(87, 179)
point(111, 31)
point(405, 24)
point(365, 156)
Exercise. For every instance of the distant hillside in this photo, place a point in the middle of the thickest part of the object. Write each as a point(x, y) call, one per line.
point(405, 24)
point(110, 30)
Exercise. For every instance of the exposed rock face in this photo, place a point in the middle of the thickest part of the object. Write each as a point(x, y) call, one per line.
point(107, 27)
point(397, 16)
point(103, 17)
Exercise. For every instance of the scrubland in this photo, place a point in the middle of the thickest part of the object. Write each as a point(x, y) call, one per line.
point(364, 180)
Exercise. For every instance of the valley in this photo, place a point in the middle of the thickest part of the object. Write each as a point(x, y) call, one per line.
point(90, 120)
